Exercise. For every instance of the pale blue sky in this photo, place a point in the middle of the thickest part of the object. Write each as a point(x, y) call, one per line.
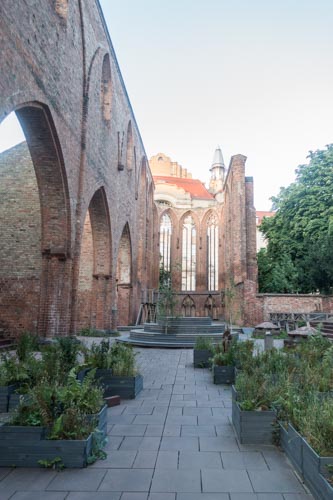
point(254, 76)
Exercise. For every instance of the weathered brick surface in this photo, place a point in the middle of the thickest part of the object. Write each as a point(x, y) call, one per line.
point(58, 71)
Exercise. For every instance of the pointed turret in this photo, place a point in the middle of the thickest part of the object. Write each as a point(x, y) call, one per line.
point(217, 172)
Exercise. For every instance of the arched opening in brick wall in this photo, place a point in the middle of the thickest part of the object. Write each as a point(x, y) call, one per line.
point(94, 288)
point(129, 148)
point(34, 229)
point(188, 306)
point(142, 227)
point(212, 252)
point(124, 278)
point(106, 88)
point(189, 252)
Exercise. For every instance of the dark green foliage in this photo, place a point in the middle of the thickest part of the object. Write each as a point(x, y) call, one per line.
point(299, 255)
point(27, 343)
point(298, 384)
point(203, 344)
point(117, 357)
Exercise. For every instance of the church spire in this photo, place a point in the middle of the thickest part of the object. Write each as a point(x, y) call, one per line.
point(217, 172)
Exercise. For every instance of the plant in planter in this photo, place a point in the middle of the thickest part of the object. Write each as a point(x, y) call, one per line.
point(13, 374)
point(115, 369)
point(126, 381)
point(223, 361)
point(54, 421)
point(202, 352)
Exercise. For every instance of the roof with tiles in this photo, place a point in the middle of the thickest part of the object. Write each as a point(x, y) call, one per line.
point(194, 187)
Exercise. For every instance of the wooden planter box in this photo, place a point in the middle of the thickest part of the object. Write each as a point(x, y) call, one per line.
point(82, 373)
point(314, 470)
point(223, 374)
point(125, 387)
point(201, 358)
point(252, 427)
point(5, 392)
point(292, 444)
point(25, 446)
point(101, 420)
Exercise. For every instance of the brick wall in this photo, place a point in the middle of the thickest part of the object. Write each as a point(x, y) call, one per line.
point(58, 71)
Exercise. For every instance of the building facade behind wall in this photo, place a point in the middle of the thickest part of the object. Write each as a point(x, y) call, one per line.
point(207, 237)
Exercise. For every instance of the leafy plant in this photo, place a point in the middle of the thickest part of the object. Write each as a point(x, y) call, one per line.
point(123, 360)
point(99, 355)
point(203, 344)
point(12, 370)
point(56, 463)
point(27, 343)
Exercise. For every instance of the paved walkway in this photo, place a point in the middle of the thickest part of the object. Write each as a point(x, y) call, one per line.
point(174, 442)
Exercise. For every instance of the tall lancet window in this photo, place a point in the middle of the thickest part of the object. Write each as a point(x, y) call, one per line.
point(188, 254)
point(165, 242)
point(212, 253)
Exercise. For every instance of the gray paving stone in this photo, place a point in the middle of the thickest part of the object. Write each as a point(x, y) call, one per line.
point(27, 479)
point(227, 481)
point(276, 459)
point(38, 495)
point(202, 496)
point(217, 420)
point(121, 419)
point(134, 496)
point(133, 410)
point(198, 411)
point(220, 443)
point(113, 443)
point(77, 480)
point(297, 496)
point(179, 444)
point(149, 419)
point(200, 460)
point(224, 430)
point(243, 460)
point(98, 495)
point(167, 460)
point(145, 460)
point(256, 496)
point(4, 471)
point(198, 430)
point(141, 443)
point(275, 481)
point(128, 430)
point(169, 480)
point(181, 420)
point(172, 430)
point(116, 410)
point(6, 493)
point(154, 430)
point(162, 496)
point(129, 480)
point(117, 459)
point(183, 404)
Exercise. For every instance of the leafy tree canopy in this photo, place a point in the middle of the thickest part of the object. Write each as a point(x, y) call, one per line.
point(299, 255)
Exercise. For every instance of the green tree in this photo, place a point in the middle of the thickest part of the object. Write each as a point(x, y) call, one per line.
point(299, 256)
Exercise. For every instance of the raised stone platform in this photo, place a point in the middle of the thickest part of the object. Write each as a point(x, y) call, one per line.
point(174, 332)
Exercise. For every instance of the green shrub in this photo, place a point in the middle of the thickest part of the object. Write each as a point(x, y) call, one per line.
point(203, 344)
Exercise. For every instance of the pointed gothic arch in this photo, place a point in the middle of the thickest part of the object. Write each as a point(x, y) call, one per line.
point(45, 308)
point(94, 288)
point(124, 277)
point(188, 306)
point(210, 307)
point(189, 235)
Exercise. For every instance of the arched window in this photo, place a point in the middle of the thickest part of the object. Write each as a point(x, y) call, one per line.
point(188, 253)
point(212, 253)
point(106, 88)
point(165, 242)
